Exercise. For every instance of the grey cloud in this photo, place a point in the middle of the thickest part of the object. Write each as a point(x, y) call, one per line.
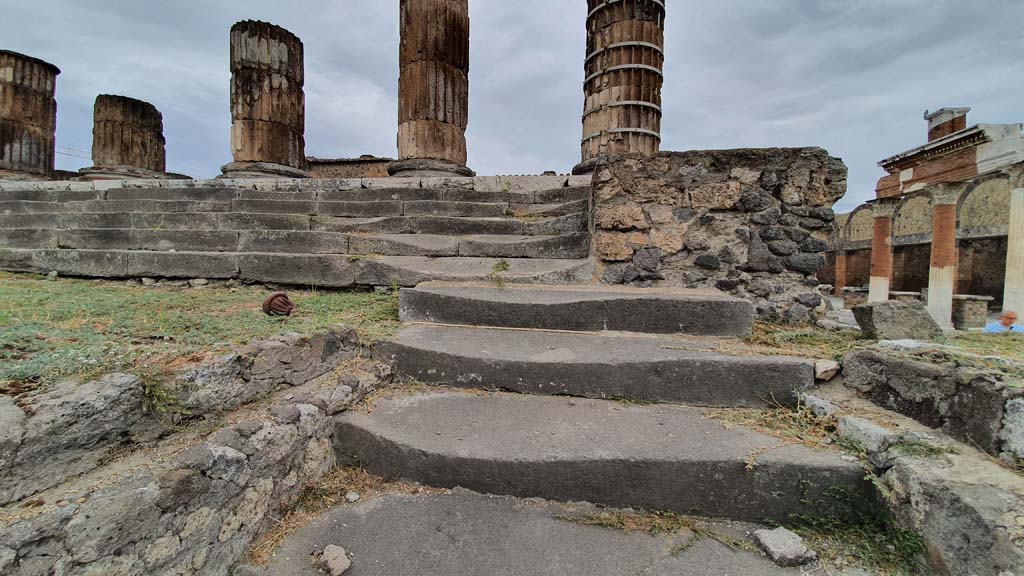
point(852, 76)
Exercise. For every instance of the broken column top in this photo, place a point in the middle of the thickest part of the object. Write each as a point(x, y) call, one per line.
point(266, 46)
point(19, 56)
point(127, 140)
point(125, 109)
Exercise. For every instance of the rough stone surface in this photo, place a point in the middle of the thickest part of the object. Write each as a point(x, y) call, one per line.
point(736, 220)
point(896, 320)
point(968, 510)
point(66, 430)
point(190, 512)
point(784, 547)
point(961, 394)
point(467, 534)
point(595, 366)
point(263, 367)
point(588, 450)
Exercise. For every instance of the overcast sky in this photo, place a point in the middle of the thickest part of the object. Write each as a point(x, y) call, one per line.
point(852, 76)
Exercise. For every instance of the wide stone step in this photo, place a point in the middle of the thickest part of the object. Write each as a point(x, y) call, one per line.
point(298, 242)
point(590, 308)
point(669, 458)
point(275, 205)
point(573, 223)
point(412, 270)
point(630, 367)
point(302, 269)
point(481, 245)
point(469, 534)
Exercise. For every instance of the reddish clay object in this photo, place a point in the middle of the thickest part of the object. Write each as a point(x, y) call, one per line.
point(278, 304)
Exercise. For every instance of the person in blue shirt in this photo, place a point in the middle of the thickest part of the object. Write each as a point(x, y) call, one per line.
point(1006, 323)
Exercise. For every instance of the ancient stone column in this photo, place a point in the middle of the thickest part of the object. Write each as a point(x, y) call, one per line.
point(433, 88)
point(28, 117)
point(942, 274)
point(623, 79)
point(268, 106)
point(1013, 292)
point(127, 140)
point(840, 274)
point(881, 252)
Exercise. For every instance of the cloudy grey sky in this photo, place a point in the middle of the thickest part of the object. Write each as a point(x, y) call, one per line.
point(852, 76)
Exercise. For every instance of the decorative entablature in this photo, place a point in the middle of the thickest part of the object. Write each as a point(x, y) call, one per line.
point(959, 157)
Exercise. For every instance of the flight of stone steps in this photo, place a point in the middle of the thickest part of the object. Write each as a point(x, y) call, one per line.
point(594, 394)
point(331, 233)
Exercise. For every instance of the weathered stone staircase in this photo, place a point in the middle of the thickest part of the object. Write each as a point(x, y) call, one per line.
point(332, 233)
point(613, 418)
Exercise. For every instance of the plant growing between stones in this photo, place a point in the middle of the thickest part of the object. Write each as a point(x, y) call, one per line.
point(870, 538)
point(495, 275)
point(657, 524)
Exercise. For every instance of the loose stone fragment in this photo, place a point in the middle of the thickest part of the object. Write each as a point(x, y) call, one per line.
point(784, 547)
point(826, 370)
point(334, 560)
point(896, 321)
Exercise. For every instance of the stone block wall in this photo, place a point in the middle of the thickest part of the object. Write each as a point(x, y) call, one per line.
point(751, 222)
point(977, 400)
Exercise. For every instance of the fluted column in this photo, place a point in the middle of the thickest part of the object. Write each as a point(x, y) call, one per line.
point(127, 140)
point(268, 106)
point(28, 117)
point(433, 88)
point(944, 257)
point(623, 79)
point(1013, 293)
point(881, 252)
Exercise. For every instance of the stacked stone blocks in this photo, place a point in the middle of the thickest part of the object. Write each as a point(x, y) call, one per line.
point(753, 223)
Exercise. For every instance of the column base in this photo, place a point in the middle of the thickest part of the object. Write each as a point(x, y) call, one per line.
point(259, 170)
point(427, 167)
point(125, 173)
point(588, 166)
point(16, 176)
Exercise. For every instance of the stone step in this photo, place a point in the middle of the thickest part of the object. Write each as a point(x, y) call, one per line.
point(580, 308)
point(462, 533)
point(609, 366)
point(303, 269)
point(412, 270)
point(299, 242)
point(489, 246)
point(573, 223)
point(342, 209)
point(667, 458)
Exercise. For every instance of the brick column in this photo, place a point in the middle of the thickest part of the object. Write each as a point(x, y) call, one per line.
point(433, 88)
point(622, 79)
point(28, 117)
point(1013, 294)
point(881, 252)
point(268, 105)
point(840, 274)
point(942, 274)
point(127, 140)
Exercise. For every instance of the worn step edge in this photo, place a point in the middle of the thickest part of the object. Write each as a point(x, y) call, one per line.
point(593, 366)
point(702, 313)
point(778, 487)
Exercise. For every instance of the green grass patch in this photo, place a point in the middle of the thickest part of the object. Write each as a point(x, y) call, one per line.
point(51, 330)
point(873, 542)
point(805, 341)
